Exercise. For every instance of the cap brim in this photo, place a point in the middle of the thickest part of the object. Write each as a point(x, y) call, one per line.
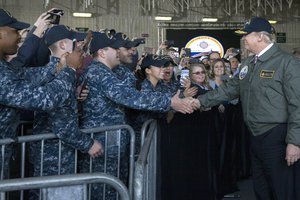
point(169, 59)
point(241, 32)
point(117, 44)
point(135, 43)
point(19, 25)
point(80, 36)
point(130, 44)
point(160, 63)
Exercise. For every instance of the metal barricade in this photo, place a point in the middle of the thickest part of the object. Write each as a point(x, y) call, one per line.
point(63, 181)
point(23, 141)
point(145, 168)
point(131, 151)
point(22, 127)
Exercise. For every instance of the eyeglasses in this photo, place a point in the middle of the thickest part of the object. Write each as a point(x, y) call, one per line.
point(198, 73)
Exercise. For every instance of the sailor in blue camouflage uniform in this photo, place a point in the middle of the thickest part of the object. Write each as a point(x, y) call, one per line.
point(150, 77)
point(123, 70)
point(169, 83)
point(17, 92)
point(62, 121)
point(105, 105)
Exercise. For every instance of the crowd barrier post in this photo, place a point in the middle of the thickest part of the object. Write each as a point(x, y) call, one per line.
point(145, 168)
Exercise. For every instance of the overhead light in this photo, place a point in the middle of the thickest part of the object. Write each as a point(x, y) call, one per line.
point(160, 18)
point(78, 14)
point(272, 21)
point(209, 19)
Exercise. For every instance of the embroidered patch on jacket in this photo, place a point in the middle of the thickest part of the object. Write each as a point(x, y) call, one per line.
point(243, 72)
point(266, 73)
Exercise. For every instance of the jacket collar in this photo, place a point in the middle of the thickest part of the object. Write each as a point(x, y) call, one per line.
point(269, 53)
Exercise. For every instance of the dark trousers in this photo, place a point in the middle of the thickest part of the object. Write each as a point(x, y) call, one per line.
point(272, 178)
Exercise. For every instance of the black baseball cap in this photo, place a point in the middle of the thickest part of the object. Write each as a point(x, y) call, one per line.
point(256, 24)
point(154, 60)
point(104, 39)
point(137, 41)
point(170, 60)
point(59, 32)
point(6, 19)
point(123, 38)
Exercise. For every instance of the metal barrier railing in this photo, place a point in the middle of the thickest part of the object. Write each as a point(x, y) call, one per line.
point(63, 180)
point(23, 140)
point(131, 151)
point(145, 168)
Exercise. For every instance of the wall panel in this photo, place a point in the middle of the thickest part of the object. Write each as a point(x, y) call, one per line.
point(129, 17)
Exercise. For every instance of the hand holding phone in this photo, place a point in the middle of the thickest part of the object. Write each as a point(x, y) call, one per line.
point(184, 75)
point(186, 52)
point(55, 15)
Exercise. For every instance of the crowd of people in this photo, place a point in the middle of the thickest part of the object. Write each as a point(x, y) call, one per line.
point(74, 81)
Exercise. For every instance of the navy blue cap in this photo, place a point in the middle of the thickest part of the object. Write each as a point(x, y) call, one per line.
point(6, 19)
point(59, 32)
point(104, 39)
point(125, 39)
point(170, 60)
point(256, 24)
point(154, 60)
point(138, 41)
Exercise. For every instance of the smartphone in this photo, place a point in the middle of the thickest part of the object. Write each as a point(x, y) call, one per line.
point(81, 87)
point(74, 44)
point(187, 52)
point(184, 75)
point(55, 16)
point(236, 51)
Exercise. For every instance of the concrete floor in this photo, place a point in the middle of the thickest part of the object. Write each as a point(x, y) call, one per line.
point(245, 191)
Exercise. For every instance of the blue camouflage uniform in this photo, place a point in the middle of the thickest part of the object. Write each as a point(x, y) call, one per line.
point(125, 75)
point(170, 87)
point(104, 106)
point(62, 121)
point(17, 92)
point(106, 95)
point(139, 117)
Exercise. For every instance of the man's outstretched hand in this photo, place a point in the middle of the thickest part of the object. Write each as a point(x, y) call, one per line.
point(186, 105)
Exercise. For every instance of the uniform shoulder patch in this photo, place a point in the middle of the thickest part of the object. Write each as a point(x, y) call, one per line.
point(243, 72)
point(266, 73)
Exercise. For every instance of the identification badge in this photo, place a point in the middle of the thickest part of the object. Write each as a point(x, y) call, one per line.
point(243, 72)
point(266, 73)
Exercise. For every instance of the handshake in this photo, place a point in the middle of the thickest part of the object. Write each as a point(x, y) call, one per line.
point(185, 105)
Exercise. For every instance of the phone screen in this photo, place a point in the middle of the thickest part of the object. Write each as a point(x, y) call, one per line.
point(184, 75)
point(187, 52)
point(74, 44)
